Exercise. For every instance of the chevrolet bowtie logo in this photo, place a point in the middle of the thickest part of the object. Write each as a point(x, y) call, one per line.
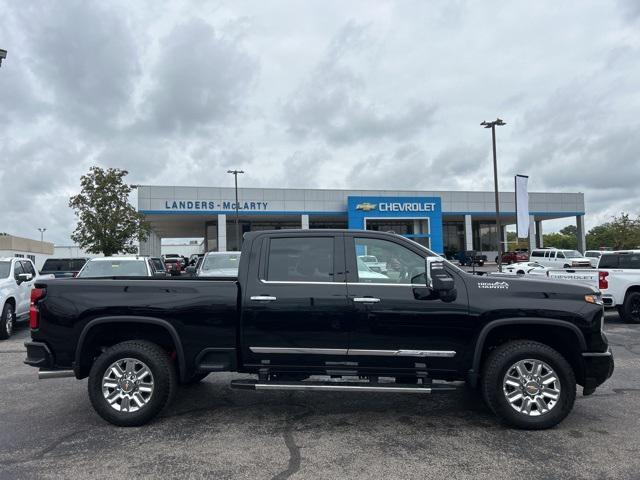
point(366, 206)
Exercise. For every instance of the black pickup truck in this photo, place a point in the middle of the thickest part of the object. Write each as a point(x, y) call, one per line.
point(306, 313)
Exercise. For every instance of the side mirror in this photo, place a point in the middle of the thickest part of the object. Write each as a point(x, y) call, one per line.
point(25, 277)
point(439, 280)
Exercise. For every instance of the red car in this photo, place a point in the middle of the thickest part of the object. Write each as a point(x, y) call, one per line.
point(514, 257)
point(173, 265)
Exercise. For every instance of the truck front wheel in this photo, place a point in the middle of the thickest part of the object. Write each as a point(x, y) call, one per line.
point(131, 382)
point(6, 321)
point(630, 311)
point(528, 385)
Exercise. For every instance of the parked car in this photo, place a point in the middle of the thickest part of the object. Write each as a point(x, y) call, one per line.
point(525, 268)
point(471, 257)
point(17, 276)
point(300, 307)
point(617, 278)
point(173, 265)
point(557, 258)
point(373, 263)
point(123, 266)
point(193, 259)
point(63, 267)
point(594, 256)
point(514, 257)
point(220, 264)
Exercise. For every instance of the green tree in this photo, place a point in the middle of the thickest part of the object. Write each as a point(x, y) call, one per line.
point(621, 233)
point(107, 222)
point(570, 230)
point(560, 240)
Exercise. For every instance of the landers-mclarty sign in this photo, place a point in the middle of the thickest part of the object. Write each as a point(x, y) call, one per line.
point(211, 205)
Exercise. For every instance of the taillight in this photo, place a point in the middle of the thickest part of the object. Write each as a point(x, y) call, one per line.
point(34, 314)
point(603, 283)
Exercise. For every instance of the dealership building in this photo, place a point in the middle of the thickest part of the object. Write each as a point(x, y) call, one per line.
point(445, 221)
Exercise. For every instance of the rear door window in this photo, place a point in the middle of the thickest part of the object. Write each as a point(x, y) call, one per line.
point(300, 259)
point(630, 261)
point(609, 261)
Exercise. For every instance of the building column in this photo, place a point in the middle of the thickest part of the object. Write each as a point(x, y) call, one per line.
point(582, 239)
point(222, 233)
point(468, 233)
point(150, 246)
point(539, 237)
point(304, 220)
point(504, 237)
point(532, 232)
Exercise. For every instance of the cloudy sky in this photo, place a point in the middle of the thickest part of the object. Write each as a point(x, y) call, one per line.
point(317, 94)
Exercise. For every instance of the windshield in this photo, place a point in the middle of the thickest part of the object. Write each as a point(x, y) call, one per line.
point(114, 268)
point(5, 268)
point(572, 254)
point(218, 261)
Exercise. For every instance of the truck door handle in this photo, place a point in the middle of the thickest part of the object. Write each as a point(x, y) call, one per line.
point(263, 298)
point(365, 300)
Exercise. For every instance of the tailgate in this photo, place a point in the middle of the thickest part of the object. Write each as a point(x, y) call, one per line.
point(587, 276)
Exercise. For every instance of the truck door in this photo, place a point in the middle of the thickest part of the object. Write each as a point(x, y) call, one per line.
point(398, 325)
point(295, 310)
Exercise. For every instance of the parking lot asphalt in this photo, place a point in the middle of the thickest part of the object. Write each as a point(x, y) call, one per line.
point(49, 430)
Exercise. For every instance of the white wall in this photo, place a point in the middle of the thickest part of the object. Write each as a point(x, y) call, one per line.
point(39, 257)
point(72, 251)
point(184, 249)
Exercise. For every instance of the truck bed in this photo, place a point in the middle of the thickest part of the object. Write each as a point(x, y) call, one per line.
point(202, 310)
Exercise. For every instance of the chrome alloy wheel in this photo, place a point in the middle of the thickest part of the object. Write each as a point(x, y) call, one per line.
point(127, 385)
point(531, 387)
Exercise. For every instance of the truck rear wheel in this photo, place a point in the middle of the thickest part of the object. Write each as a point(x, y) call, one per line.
point(6, 321)
point(528, 385)
point(630, 311)
point(131, 382)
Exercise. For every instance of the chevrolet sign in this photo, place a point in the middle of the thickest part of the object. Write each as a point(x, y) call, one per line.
point(366, 207)
point(407, 207)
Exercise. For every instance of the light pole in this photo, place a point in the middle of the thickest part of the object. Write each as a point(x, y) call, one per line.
point(3, 55)
point(235, 175)
point(42, 230)
point(492, 125)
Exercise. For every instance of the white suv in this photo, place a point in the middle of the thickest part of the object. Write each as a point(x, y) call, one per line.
point(17, 276)
point(556, 258)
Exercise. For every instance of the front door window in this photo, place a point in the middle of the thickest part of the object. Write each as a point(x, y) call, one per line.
point(394, 263)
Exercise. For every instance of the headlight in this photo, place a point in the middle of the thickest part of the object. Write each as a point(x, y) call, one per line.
point(594, 298)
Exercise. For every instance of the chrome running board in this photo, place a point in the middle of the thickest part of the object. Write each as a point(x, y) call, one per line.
point(339, 386)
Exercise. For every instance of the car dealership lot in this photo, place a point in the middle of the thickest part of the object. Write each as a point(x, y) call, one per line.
point(49, 430)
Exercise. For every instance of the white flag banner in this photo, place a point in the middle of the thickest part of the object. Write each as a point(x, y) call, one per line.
point(522, 205)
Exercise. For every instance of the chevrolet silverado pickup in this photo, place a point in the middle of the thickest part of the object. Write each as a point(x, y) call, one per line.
point(305, 314)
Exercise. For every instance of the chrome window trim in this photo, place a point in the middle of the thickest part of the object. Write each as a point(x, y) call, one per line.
point(289, 282)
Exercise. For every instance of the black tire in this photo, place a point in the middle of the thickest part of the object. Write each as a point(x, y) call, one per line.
point(630, 311)
point(195, 378)
point(566, 266)
point(480, 264)
point(502, 359)
point(7, 321)
point(520, 272)
point(164, 381)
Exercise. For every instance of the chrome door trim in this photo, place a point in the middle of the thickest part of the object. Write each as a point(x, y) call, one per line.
point(403, 353)
point(300, 350)
point(366, 300)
